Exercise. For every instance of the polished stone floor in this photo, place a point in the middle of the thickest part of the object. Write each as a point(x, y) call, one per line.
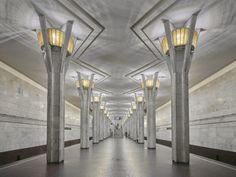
point(117, 158)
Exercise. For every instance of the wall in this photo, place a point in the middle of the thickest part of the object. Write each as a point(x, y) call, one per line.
point(23, 112)
point(212, 112)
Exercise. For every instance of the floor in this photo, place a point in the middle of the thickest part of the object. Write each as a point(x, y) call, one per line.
point(117, 158)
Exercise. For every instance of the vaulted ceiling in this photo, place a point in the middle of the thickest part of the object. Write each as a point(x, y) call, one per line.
point(117, 40)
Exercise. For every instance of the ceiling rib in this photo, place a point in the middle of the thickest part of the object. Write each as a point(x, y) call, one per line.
point(77, 11)
point(137, 28)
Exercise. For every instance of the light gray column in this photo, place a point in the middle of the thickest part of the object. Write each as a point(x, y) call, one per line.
point(84, 122)
point(126, 127)
point(135, 125)
point(104, 126)
point(151, 120)
point(101, 124)
point(85, 101)
point(180, 116)
point(130, 127)
point(179, 63)
point(56, 63)
point(96, 114)
point(55, 111)
point(106, 134)
point(98, 122)
point(108, 129)
point(150, 99)
point(140, 115)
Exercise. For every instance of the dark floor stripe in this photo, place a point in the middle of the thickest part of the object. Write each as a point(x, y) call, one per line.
point(228, 157)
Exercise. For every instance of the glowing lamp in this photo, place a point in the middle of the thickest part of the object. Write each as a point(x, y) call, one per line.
point(149, 83)
point(139, 99)
point(134, 106)
point(105, 111)
point(180, 39)
point(85, 83)
point(56, 39)
point(96, 99)
point(131, 112)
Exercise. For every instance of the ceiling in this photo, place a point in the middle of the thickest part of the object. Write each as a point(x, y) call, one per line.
point(113, 51)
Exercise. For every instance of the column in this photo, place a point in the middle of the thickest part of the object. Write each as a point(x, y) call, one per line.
point(101, 122)
point(96, 114)
point(150, 91)
point(56, 60)
point(151, 120)
point(85, 87)
point(108, 127)
point(130, 126)
point(125, 125)
point(179, 61)
point(135, 124)
point(98, 122)
point(104, 126)
point(107, 123)
point(140, 115)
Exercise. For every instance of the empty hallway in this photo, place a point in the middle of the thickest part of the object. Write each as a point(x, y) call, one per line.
point(117, 88)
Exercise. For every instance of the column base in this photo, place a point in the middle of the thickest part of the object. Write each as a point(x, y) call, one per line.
point(180, 163)
point(152, 148)
point(62, 161)
point(140, 142)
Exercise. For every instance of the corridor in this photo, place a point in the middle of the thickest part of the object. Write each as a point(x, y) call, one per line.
point(115, 157)
point(117, 88)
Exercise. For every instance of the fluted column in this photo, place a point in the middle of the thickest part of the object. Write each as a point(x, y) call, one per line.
point(101, 124)
point(107, 125)
point(130, 126)
point(135, 124)
point(56, 61)
point(150, 87)
point(140, 115)
point(104, 126)
point(96, 114)
point(179, 61)
point(85, 87)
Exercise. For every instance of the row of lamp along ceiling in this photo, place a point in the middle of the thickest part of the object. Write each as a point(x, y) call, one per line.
point(180, 38)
